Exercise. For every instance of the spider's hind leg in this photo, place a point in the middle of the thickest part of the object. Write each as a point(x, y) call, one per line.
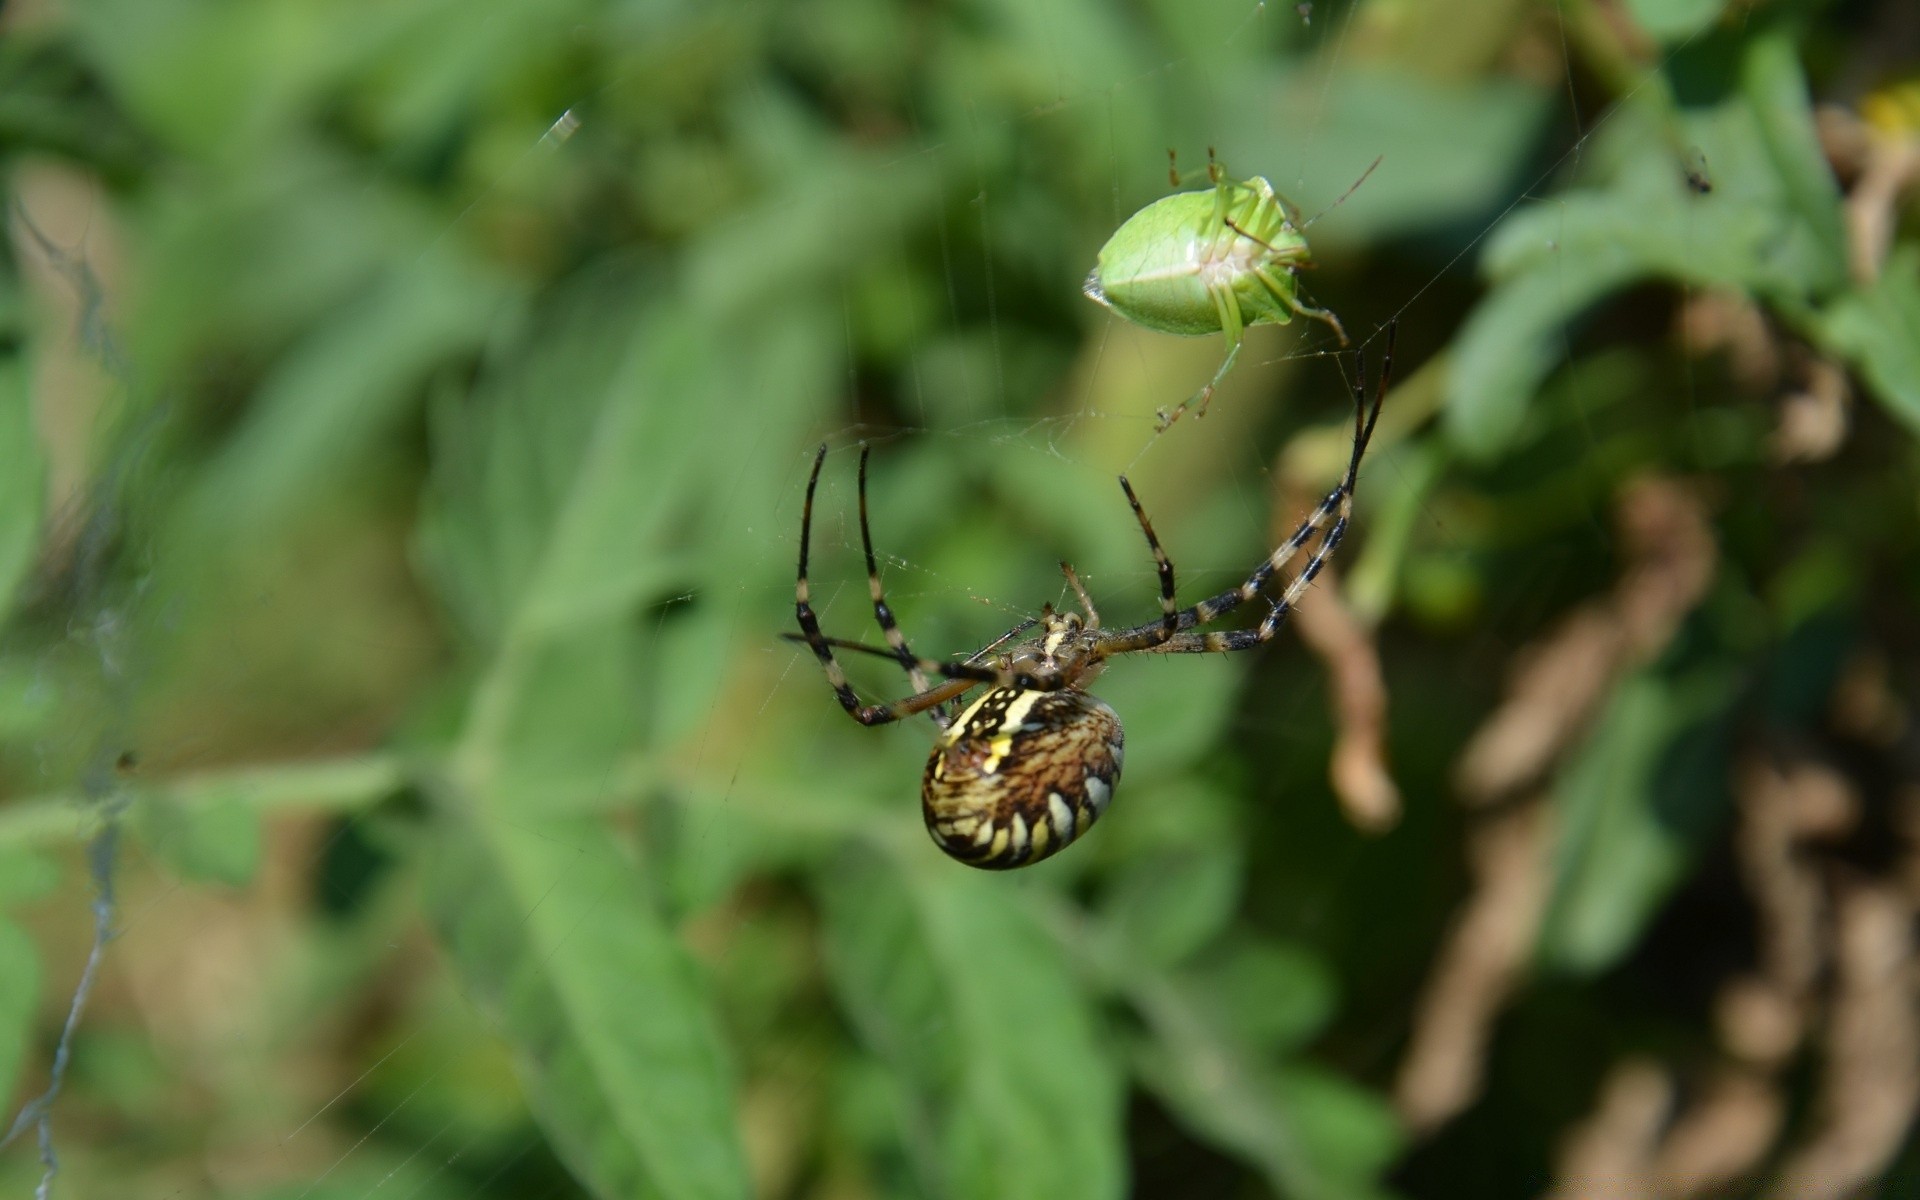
point(882, 612)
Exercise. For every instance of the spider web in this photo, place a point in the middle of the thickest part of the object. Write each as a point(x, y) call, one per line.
point(178, 986)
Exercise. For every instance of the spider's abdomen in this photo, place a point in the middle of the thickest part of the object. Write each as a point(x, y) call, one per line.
point(1021, 774)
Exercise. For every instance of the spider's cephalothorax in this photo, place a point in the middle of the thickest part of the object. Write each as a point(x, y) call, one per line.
point(1033, 762)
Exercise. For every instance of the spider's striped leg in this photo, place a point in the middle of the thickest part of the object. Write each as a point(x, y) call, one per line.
point(965, 673)
point(1227, 641)
point(810, 624)
point(881, 611)
point(1335, 509)
point(1215, 607)
point(960, 677)
point(1144, 636)
point(1222, 642)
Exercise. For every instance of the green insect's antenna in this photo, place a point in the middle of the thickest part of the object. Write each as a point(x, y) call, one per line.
point(1343, 195)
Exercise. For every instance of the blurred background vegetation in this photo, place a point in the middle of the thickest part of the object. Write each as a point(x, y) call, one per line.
point(406, 409)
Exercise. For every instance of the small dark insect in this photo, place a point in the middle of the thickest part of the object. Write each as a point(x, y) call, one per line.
point(1698, 181)
point(1032, 763)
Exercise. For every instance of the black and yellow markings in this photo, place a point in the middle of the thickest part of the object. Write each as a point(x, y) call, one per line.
point(1020, 775)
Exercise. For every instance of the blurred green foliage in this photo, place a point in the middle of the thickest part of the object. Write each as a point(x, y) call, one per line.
point(403, 413)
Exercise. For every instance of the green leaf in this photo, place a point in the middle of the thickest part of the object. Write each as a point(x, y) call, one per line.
point(1328, 129)
point(1513, 339)
point(347, 385)
point(1674, 20)
point(1312, 1136)
point(952, 980)
point(1770, 227)
point(1269, 995)
point(613, 1035)
point(19, 1000)
point(1167, 906)
point(1878, 328)
point(578, 481)
point(22, 474)
point(576, 484)
point(1629, 807)
point(1774, 86)
point(377, 1167)
point(25, 875)
point(1352, 1131)
point(216, 842)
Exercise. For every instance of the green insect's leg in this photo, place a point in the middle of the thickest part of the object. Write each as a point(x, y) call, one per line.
point(1276, 218)
point(1228, 309)
point(1290, 296)
point(1218, 222)
point(1289, 213)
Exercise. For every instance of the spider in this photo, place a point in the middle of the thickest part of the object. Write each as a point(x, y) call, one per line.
point(1031, 764)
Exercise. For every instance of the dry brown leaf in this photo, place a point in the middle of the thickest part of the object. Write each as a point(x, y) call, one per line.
point(1557, 684)
point(1610, 1154)
point(1871, 1082)
point(1476, 969)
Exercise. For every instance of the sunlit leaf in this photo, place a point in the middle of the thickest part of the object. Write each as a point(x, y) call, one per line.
point(1271, 996)
point(1328, 130)
point(552, 928)
point(1630, 807)
point(950, 979)
point(1768, 227)
point(347, 386)
point(25, 875)
point(1879, 328)
point(1674, 20)
point(1168, 906)
point(217, 842)
point(1309, 1134)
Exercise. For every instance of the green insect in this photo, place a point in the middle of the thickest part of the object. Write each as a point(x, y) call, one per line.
point(1213, 261)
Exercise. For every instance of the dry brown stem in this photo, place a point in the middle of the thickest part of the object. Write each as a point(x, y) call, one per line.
point(1610, 1154)
point(1892, 165)
point(1558, 683)
point(1759, 1021)
point(1670, 558)
point(1358, 770)
point(1865, 706)
point(1781, 807)
point(1717, 1141)
point(1813, 420)
point(1476, 969)
point(1553, 688)
point(1344, 644)
point(1731, 321)
point(1871, 1083)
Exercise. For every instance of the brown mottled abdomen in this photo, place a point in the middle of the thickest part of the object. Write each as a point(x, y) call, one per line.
point(1021, 774)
